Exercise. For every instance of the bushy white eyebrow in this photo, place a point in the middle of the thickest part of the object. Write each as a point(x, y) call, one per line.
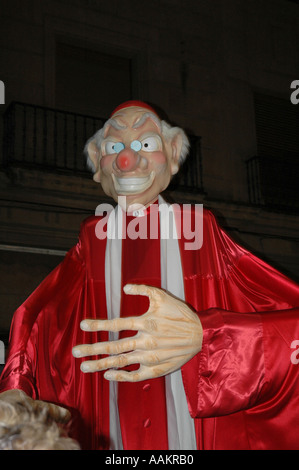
point(113, 122)
point(146, 116)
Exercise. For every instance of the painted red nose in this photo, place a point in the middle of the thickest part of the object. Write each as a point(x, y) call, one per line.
point(127, 160)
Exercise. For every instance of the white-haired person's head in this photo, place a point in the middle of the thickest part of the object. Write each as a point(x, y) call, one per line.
point(26, 426)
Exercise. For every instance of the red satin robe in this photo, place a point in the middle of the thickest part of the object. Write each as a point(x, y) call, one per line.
point(242, 388)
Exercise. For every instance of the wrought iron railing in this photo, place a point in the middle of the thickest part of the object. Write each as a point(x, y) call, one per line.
point(51, 139)
point(190, 176)
point(273, 182)
point(45, 137)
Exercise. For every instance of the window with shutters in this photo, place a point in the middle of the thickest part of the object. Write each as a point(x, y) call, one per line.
point(273, 172)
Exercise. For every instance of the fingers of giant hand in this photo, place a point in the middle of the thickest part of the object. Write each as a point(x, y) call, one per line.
point(153, 293)
point(108, 347)
point(151, 359)
point(141, 341)
point(139, 289)
point(118, 324)
point(143, 373)
point(121, 360)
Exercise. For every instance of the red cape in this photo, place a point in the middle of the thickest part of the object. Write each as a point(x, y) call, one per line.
point(242, 389)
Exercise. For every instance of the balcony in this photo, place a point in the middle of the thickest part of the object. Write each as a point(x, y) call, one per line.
point(46, 138)
point(273, 182)
point(53, 140)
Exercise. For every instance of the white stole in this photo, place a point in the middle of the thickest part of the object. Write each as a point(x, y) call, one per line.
point(181, 433)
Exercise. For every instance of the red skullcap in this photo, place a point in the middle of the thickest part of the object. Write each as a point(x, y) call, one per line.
point(129, 104)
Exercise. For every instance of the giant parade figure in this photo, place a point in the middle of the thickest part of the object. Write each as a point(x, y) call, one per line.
point(145, 340)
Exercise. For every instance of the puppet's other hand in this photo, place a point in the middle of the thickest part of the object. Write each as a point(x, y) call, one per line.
point(17, 398)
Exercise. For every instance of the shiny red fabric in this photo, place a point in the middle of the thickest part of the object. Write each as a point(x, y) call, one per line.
point(142, 405)
point(242, 389)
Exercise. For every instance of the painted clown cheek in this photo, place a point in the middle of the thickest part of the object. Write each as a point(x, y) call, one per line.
point(158, 158)
point(158, 163)
point(105, 161)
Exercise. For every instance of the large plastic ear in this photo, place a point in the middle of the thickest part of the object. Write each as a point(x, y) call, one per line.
point(176, 149)
point(93, 154)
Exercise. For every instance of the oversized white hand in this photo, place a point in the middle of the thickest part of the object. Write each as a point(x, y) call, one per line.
point(169, 335)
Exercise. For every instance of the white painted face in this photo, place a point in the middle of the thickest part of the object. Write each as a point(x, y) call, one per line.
point(136, 161)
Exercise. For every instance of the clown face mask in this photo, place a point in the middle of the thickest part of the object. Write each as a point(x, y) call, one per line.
point(135, 154)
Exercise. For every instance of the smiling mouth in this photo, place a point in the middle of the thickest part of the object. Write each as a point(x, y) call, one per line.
point(132, 185)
